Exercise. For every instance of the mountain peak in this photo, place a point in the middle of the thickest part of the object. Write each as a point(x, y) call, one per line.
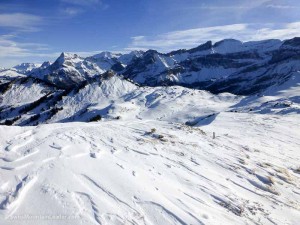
point(67, 55)
point(46, 64)
point(64, 56)
point(106, 55)
point(203, 47)
point(228, 42)
point(294, 42)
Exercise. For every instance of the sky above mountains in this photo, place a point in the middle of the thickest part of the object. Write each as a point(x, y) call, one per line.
point(36, 31)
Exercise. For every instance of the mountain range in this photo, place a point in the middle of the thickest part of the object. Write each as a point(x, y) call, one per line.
point(74, 88)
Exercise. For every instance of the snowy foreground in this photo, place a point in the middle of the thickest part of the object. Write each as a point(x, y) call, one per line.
point(153, 172)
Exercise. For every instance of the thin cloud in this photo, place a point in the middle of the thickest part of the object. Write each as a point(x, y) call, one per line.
point(234, 6)
point(184, 38)
point(193, 37)
point(282, 6)
point(12, 51)
point(11, 48)
point(86, 3)
point(22, 21)
point(82, 2)
point(75, 7)
point(71, 11)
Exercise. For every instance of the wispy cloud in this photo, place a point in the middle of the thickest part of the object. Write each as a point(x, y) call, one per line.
point(75, 7)
point(193, 37)
point(12, 51)
point(21, 21)
point(72, 11)
point(232, 6)
point(279, 6)
point(11, 48)
point(83, 2)
point(17, 24)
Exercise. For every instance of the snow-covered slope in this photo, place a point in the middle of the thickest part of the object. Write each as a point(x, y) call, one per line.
point(110, 97)
point(116, 98)
point(23, 91)
point(22, 95)
point(17, 71)
point(281, 98)
point(7, 75)
point(151, 172)
point(231, 46)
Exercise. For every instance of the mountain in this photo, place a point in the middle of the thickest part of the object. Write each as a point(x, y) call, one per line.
point(26, 67)
point(17, 71)
point(67, 71)
point(108, 97)
point(71, 70)
point(226, 66)
point(30, 101)
point(261, 76)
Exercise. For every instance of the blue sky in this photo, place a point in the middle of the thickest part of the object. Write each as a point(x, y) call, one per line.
point(38, 30)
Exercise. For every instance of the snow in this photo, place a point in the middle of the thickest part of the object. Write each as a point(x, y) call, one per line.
point(23, 93)
point(8, 74)
point(125, 59)
point(118, 97)
point(149, 167)
point(231, 46)
point(26, 67)
point(278, 99)
point(121, 172)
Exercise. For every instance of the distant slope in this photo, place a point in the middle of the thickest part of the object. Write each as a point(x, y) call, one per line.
point(29, 101)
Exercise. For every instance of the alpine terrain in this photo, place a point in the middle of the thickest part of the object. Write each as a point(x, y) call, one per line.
point(208, 135)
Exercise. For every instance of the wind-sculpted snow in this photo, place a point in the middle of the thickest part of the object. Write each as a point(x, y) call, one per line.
point(152, 172)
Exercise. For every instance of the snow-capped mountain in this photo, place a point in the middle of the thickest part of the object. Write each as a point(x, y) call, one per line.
point(226, 66)
point(17, 71)
point(67, 71)
point(71, 70)
point(72, 87)
point(30, 101)
point(26, 67)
